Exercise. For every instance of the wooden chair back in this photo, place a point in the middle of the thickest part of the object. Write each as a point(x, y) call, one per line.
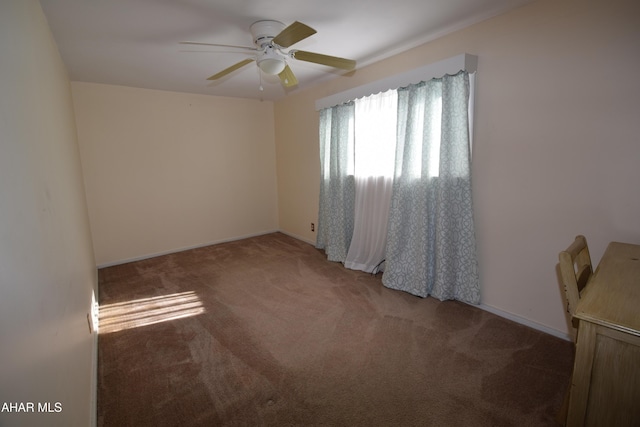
point(576, 270)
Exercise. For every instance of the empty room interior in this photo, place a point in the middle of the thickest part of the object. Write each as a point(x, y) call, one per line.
point(166, 243)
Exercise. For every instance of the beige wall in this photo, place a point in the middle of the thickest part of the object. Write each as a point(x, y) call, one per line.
point(166, 170)
point(556, 149)
point(47, 269)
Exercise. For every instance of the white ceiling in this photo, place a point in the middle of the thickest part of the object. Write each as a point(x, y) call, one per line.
point(135, 42)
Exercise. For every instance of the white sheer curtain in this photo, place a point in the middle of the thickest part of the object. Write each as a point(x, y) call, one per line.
point(375, 140)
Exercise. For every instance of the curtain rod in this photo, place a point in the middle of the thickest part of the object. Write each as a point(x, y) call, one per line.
point(451, 66)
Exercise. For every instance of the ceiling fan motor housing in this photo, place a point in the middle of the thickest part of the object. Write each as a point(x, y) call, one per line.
point(264, 31)
point(270, 61)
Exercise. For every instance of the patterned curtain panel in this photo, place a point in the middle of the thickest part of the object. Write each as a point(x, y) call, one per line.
point(431, 246)
point(337, 184)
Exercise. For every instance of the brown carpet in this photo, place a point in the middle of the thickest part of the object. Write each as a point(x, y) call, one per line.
point(266, 332)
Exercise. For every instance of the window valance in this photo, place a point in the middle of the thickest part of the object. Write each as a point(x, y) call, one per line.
point(450, 66)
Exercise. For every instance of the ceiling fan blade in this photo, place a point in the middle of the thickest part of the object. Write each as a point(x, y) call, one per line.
point(287, 77)
point(220, 45)
point(293, 34)
point(231, 69)
point(318, 58)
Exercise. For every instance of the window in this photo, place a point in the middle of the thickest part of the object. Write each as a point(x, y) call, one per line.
point(402, 195)
point(375, 119)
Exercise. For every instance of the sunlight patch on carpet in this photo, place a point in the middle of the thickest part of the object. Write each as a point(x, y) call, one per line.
point(148, 311)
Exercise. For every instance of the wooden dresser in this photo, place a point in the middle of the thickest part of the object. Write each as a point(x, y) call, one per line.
point(605, 390)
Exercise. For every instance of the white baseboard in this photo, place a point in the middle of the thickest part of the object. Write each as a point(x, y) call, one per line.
point(186, 248)
point(525, 322)
point(93, 416)
point(295, 236)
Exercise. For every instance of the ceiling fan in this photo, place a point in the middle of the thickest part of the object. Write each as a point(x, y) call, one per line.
point(271, 38)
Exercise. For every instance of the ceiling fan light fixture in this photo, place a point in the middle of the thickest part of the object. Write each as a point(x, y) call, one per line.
point(271, 65)
point(270, 62)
